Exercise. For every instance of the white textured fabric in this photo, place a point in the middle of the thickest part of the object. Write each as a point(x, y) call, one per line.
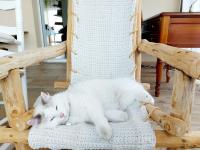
point(131, 135)
point(102, 41)
point(127, 135)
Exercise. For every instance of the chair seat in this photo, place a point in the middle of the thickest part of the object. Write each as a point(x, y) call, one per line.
point(126, 135)
point(134, 134)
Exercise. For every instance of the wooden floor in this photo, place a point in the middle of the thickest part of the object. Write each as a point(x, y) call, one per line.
point(42, 77)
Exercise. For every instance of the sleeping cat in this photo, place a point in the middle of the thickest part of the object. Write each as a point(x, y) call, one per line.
point(94, 101)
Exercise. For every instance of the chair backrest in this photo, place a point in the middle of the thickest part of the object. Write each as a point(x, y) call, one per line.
point(7, 5)
point(101, 39)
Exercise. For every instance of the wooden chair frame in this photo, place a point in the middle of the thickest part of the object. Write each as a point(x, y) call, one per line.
point(176, 126)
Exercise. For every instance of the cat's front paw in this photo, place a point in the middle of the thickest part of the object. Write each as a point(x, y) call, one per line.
point(144, 113)
point(74, 120)
point(105, 132)
point(124, 116)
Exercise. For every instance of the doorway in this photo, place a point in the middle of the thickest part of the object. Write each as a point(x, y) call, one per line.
point(53, 23)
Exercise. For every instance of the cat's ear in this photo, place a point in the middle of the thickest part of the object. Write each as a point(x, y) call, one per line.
point(35, 120)
point(44, 98)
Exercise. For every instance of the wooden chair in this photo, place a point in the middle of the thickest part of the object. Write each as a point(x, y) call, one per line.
point(176, 125)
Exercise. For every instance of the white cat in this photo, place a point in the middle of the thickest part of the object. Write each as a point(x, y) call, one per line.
point(94, 101)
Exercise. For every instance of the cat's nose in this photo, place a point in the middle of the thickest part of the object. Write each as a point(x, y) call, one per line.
point(62, 115)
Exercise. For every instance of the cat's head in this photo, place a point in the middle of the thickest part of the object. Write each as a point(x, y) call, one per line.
point(147, 98)
point(50, 110)
point(142, 95)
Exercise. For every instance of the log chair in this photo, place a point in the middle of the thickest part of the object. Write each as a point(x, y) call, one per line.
point(175, 126)
point(175, 131)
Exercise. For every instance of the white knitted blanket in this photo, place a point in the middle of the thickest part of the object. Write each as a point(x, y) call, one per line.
point(126, 135)
point(134, 134)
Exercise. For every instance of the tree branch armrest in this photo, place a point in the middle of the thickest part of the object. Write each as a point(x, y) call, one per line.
point(172, 125)
point(184, 60)
point(30, 57)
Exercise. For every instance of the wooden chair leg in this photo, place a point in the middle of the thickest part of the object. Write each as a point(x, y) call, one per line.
point(13, 101)
point(13, 96)
point(183, 97)
point(159, 67)
point(167, 73)
point(20, 146)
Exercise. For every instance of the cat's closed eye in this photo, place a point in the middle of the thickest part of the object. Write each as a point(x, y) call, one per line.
point(52, 118)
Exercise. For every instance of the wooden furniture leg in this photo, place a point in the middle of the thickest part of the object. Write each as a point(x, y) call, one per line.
point(13, 101)
point(159, 67)
point(182, 97)
point(167, 73)
point(164, 29)
point(20, 146)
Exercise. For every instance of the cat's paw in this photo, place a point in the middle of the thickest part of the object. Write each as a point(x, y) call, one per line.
point(74, 120)
point(144, 113)
point(105, 132)
point(124, 116)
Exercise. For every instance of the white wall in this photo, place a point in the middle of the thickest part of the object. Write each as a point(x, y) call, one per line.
point(37, 19)
point(153, 7)
point(29, 24)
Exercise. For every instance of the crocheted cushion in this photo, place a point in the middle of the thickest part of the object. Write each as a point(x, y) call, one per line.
point(126, 135)
point(133, 134)
point(102, 39)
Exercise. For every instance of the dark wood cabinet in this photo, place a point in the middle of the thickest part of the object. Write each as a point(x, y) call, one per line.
point(175, 29)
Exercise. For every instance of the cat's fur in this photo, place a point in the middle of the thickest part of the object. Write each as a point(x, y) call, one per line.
point(95, 101)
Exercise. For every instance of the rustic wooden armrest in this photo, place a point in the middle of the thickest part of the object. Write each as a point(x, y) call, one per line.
point(184, 60)
point(29, 57)
point(187, 64)
point(172, 125)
